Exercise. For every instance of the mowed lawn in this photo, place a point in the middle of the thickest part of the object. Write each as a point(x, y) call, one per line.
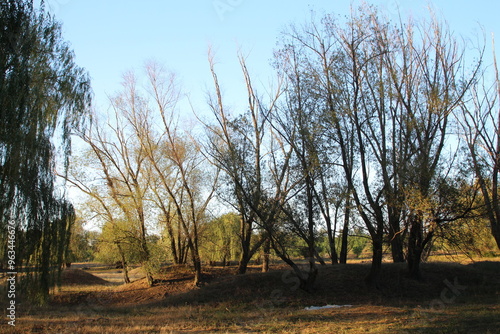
point(451, 298)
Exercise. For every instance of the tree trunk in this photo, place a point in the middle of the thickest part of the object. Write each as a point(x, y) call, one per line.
point(242, 264)
point(320, 259)
point(396, 237)
point(126, 278)
point(149, 277)
point(195, 257)
point(372, 280)
point(265, 255)
point(415, 249)
point(307, 283)
point(397, 248)
point(345, 231)
point(331, 237)
point(245, 237)
point(495, 230)
point(197, 272)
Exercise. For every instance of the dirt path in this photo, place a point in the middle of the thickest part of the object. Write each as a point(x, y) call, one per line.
point(114, 276)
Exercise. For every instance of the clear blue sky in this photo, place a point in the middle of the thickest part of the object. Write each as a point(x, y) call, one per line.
point(110, 37)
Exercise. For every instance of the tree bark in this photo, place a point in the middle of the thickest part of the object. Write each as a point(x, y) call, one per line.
point(345, 232)
point(372, 280)
point(266, 255)
point(126, 278)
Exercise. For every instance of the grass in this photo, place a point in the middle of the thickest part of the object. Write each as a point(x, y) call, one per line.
point(452, 298)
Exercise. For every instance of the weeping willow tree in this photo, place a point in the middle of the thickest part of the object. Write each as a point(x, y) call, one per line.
point(43, 97)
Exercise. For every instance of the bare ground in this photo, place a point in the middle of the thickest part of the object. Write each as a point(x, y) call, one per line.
point(452, 298)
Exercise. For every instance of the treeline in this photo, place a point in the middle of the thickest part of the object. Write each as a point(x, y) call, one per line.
point(370, 123)
point(387, 130)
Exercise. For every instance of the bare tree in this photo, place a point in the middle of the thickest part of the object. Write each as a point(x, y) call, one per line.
point(176, 161)
point(386, 92)
point(480, 126)
point(99, 205)
point(235, 146)
point(121, 165)
point(429, 83)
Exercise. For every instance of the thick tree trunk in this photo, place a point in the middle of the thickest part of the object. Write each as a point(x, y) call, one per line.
point(197, 272)
point(372, 280)
point(331, 238)
point(396, 238)
point(246, 238)
point(307, 279)
point(415, 249)
point(414, 260)
point(495, 230)
point(397, 248)
point(242, 264)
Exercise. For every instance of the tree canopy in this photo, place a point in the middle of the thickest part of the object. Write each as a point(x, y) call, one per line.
point(43, 97)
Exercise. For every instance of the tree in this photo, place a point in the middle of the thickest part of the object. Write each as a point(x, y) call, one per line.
point(235, 146)
point(121, 165)
point(42, 93)
point(299, 125)
point(343, 61)
point(430, 84)
point(117, 244)
point(82, 243)
point(221, 239)
point(386, 92)
point(174, 159)
point(480, 126)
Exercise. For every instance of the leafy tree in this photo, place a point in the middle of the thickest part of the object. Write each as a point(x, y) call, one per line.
point(220, 238)
point(172, 156)
point(42, 93)
point(82, 243)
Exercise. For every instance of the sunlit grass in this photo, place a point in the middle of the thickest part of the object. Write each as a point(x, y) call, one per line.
point(244, 304)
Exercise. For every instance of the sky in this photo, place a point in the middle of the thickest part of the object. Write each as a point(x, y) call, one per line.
point(110, 37)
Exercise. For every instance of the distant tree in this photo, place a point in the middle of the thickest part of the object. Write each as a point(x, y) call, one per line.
point(117, 243)
point(82, 243)
point(220, 238)
point(43, 97)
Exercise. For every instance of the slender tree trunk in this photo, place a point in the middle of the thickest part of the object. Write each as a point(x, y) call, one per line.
point(245, 237)
point(331, 237)
point(265, 255)
point(126, 278)
point(345, 231)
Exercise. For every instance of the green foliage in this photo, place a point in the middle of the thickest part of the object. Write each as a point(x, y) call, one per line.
point(82, 243)
point(42, 93)
point(156, 255)
point(220, 238)
point(118, 239)
point(468, 236)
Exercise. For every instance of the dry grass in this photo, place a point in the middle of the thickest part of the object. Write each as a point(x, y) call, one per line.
point(453, 298)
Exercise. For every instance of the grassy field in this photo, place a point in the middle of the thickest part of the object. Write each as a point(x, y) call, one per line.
point(452, 298)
